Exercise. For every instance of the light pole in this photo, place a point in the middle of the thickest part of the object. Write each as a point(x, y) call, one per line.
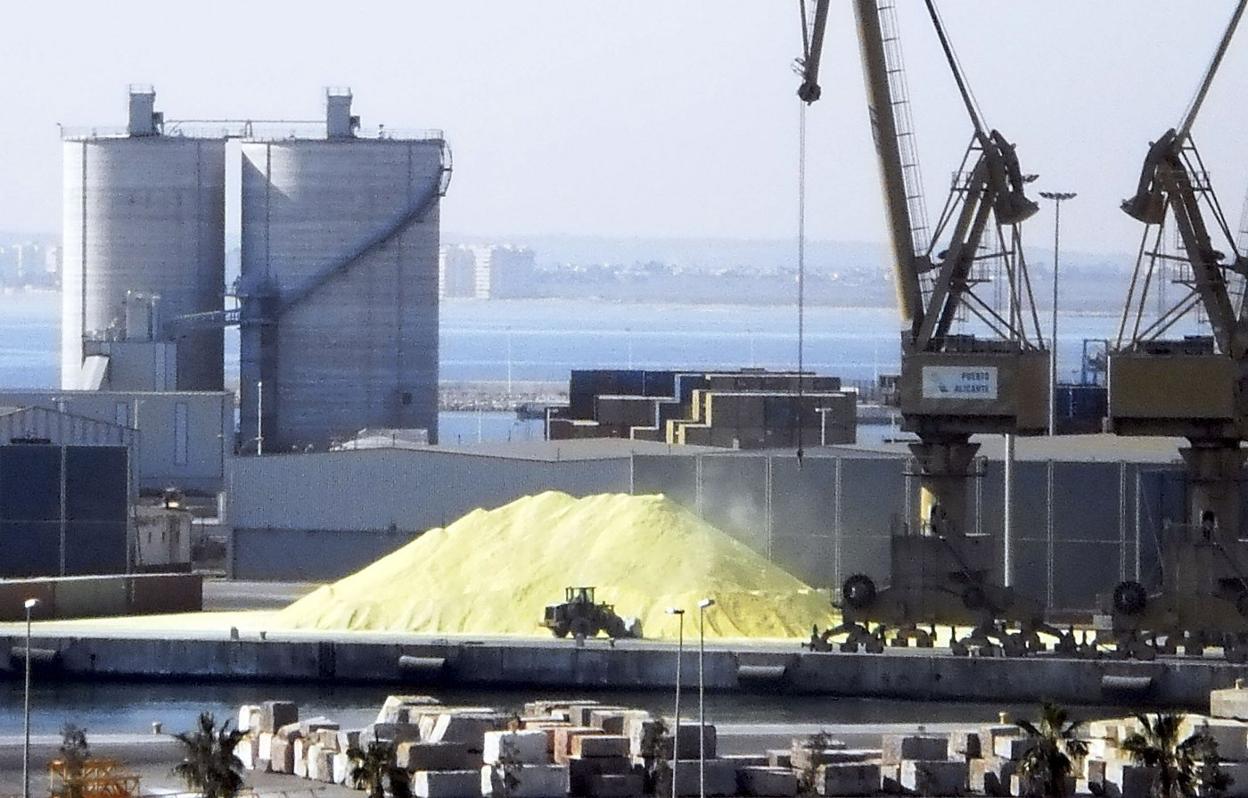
point(31, 603)
point(680, 648)
point(702, 605)
point(1058, 197)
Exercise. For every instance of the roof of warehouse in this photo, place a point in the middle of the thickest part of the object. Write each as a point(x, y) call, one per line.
point(1067, 448)
point(572, 449)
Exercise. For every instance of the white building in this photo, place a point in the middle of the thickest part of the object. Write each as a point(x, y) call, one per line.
point(502, 272)
point(456, 272)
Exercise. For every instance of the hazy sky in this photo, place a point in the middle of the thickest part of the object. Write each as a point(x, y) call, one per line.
point(642, 117)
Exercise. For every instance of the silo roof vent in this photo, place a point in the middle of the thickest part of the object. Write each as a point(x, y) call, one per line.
point(339, 123)
point(145, 120)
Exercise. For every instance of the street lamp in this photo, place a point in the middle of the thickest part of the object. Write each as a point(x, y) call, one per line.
point(680, 647)
point(702, 605)
point(30, 604)
point(1058, 197)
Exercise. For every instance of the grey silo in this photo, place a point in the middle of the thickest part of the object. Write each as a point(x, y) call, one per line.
point(340, 243)
point(143, 212)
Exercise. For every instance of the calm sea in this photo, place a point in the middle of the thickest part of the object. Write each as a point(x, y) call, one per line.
point(543, 340)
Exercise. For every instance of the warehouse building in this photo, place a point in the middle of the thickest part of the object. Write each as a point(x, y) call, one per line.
point(66, 488)
point(747, 409)
point(1089, 509)
point(177, 439)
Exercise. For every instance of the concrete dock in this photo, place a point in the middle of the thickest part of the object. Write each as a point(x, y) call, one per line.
point(931, 674)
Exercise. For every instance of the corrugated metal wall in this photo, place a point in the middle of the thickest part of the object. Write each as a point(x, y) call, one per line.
point(323, 515)
point(833, 516)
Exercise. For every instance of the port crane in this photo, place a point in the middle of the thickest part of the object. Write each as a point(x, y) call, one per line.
point(1193, 387)
point(954, 384)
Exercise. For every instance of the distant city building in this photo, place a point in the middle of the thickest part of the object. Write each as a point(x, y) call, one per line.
point(457, 276)
point(29, 264)
point(486, 271)
point(503, 272)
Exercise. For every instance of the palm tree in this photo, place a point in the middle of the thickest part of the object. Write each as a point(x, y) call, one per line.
point(74, 753)
point(1184, 767)
point(1046, 766)
point(209, 764)
point(373, 765)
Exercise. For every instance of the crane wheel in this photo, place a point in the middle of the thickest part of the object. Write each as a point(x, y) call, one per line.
point(858, 591)
point(1130, 598)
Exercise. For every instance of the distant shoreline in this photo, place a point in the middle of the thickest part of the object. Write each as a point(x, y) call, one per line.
point(28, 291)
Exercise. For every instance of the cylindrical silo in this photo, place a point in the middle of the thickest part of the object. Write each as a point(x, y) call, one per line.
point(340, 253)
point(144, 212)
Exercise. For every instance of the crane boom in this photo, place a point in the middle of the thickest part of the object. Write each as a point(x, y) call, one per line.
point(906, 263)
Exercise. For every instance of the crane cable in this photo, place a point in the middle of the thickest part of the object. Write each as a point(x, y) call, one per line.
point(801, 277)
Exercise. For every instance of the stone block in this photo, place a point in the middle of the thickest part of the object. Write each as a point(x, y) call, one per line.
point(276, 714)
point(640, 732)
point(988, 735)
point(617, 785)
point(1102, 748)
point(804, 758)
point(391, 733)
point(465, 727)
point(1231, 703)
point(328, 738)
point(316, 724)
point(837, 781)
point(1014, 748)
point(342, 768)
point(594, 746)
point(264, 748)
point(581, 772)
point(614, 721)
point(526, 747)
point(746, 760)
point(685, 742)
point(1027, 787)
point(247, 751)
point(1131, 781)
point(991, 775)
point(325, 765)
point(289, 732)
point(966, 744)
point(1093, 770)
point(414, 756)
point(564, 737)
point(766, 781)
point(446, 784)
point(397, 708)
point(779, 758)
point(1105, 730)
point(1238, 771)
point(282, 756)
point(248, 718)
point(300, 758)
point(346, 740)
point(890, 779)
point(312, 761)
point(721, 778)
point(581, 713)
point(1230, 735)
point(532, 781)
point(930, 777)
point(915, 747)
